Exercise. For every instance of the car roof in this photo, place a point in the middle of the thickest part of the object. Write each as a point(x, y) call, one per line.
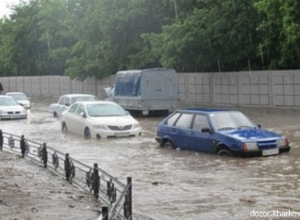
point(12, 93)
point(5, 96)
point(204, 110)
point(95, 102)
point(74, 95)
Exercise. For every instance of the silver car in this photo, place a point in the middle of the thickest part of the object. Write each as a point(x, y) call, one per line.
point(10, 109)
point(65, 101)
point(21, 98)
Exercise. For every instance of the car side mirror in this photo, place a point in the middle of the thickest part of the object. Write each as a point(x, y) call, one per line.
point(259, 126)
point(67, 104)
point(206, 130)
point(83, 114)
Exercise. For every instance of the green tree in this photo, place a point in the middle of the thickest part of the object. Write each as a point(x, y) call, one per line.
point(20, 40)
point(280, 33)
point(222, 30)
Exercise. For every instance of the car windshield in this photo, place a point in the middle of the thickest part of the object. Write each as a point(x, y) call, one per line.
point(7, 101)
point(83, 98)
point(230, 120)
point(100, 110)
point(19, 97)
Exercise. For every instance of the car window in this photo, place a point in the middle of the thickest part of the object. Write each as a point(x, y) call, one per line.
point(98, 110)
point(7, 101)
point(67, 103)
point(200, 121)
point(73, 108)
point(83, 98)
point(172, 119)
point(184, 121)
point(62, 100)
point(225, 120)
point(18, 96)
point(80, 109)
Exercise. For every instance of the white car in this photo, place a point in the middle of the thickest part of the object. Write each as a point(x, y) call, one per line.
point(65, 101)
point(99, 119)
point(10, 109)
point(21, 98)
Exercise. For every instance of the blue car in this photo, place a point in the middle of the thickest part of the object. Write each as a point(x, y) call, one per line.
point(220, 132)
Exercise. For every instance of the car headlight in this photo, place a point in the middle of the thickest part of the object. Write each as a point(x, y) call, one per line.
point(250, 146)
point(282, 142)
point(136, 125)
point(99, 126)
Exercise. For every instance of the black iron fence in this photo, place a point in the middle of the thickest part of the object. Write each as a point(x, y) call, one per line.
point(115, 197)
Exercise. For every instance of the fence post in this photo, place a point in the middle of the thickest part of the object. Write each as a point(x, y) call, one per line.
point(67, 166)
point(129, 183)
point(108, 188)
point(23, 146)
point(45, 154)
point(1, 140)
point(104, 213)
point(96, 180)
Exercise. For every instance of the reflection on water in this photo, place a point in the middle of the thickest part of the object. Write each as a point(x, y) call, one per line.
point(174, 184)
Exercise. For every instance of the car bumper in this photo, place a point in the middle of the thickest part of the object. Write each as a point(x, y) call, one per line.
point(158, 140)
point(10, 117)
point(115, 134)
point(258, 153)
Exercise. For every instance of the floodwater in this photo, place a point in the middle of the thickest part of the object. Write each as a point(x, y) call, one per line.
point(171, 184)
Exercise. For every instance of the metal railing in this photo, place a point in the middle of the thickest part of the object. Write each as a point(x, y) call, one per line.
point(115, 197)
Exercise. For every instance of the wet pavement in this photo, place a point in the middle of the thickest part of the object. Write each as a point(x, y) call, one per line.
point(173, 184)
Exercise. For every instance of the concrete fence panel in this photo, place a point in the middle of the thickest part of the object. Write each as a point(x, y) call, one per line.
point(54, 85)
point(253, 89)
point(182, 86)
point(36, 86)
point(89, 86)
point(65, 85)
point(225, 88)
point(27, 82)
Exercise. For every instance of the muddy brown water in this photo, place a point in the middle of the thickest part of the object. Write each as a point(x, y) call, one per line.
point(174, 184)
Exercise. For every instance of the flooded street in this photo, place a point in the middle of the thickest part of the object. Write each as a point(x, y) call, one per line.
point(173, 184)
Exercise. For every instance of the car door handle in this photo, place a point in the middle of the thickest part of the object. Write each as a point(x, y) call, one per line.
point(191, 132)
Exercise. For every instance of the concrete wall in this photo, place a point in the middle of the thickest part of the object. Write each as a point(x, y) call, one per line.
point(253, 89)
point(55, 85)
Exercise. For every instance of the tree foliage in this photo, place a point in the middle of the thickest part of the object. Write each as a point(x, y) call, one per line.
point(280, 28)
point(82, 38)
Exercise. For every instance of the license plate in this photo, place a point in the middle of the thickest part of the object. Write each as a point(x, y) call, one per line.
point(123, 134)
point(270, 152)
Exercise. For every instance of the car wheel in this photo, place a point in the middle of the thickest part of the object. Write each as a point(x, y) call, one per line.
point(55, 115)
point(87, 134)
point(224, 152)
point(64, 128)
point(168, 144)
